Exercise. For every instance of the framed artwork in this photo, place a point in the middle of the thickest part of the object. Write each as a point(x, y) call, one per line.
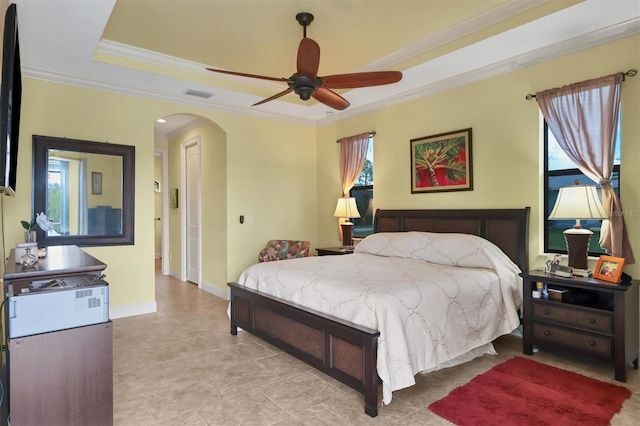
point(173, 201)
point(609, 268)
point(96, 183)
point(442, 162)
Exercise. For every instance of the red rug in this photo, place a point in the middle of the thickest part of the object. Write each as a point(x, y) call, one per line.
point(524, 392)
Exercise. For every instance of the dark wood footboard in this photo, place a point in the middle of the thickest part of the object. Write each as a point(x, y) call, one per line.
point(347, 351)
point(341, 349)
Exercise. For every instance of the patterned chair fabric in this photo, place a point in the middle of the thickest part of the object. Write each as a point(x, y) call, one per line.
point(284, 249)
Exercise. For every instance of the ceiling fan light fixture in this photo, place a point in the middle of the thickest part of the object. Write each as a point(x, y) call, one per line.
point(305, 92)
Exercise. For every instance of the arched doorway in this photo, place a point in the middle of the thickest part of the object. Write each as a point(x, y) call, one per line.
point(210, 244)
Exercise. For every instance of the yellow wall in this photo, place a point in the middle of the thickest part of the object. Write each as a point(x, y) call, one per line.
point(507, 150)
point(110, 166)
point(287, 176)
point(271, 174)
point(213, 198)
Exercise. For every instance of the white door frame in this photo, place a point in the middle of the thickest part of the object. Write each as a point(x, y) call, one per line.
point(163, 153)
point(183, 211)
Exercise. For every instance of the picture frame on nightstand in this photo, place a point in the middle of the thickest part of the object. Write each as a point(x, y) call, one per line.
point(609, 268)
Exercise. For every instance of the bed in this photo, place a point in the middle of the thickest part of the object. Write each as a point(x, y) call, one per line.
point(363, 351)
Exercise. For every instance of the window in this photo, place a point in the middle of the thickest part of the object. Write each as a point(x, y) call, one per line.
point(561, 171)
point(363, 193)
point(58, 196)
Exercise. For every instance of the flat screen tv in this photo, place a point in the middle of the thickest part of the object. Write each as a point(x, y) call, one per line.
point(10, 99)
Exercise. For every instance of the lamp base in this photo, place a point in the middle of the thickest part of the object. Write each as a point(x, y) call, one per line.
point(578, 247)
point(347, 232)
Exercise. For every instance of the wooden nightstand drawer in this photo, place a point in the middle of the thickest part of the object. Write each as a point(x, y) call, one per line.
point(584, 342)
point(585, 318)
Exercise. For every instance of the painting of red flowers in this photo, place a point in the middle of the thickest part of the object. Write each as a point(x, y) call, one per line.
point(442, 162)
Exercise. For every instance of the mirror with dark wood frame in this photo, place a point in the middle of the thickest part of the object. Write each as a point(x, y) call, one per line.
point(86, 189)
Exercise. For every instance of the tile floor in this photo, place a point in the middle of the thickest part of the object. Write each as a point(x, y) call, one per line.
point(180, 366)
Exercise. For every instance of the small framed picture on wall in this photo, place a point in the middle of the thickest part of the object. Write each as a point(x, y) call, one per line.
point(173, 199)
point(96, 183)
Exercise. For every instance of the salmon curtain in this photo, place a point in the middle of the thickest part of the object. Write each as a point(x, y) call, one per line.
point(583, 117)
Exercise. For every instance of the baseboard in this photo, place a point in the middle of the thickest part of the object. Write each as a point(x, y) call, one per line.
point(175, 274)
point(132, 310)
point(517, 332)
point(215, 290)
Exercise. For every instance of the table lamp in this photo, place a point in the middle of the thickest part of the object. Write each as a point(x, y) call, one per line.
point(346, 209)
point(578, 202)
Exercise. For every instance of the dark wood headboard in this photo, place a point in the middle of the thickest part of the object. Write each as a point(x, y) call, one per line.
point(506, 228)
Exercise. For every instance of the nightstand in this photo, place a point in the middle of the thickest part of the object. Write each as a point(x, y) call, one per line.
point(334, 251)
point(590, 317)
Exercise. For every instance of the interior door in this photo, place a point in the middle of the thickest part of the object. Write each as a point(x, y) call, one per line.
point(192, 195)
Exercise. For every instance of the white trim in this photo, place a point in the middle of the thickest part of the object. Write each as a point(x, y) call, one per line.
point(158, 94)
point(216, 291)
point(116, 312)
point(164, 155)
point(183, 215)
point(175, 274)
point(183, 208)
point(468, 26)
point(193, 124)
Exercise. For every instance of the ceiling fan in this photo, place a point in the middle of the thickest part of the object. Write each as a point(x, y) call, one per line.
point(307, 84)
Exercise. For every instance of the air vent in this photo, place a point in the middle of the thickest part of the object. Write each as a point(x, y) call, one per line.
point(198, 93)
point(83, 293)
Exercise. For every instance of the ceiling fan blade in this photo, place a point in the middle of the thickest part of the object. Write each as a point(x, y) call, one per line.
point(361, 79)
point(276, 96)
point(308, 58)
point(242, 74)
point(330, 98)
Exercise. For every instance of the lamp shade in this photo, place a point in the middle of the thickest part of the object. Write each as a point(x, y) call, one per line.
point(346, 207)
point(578, 202)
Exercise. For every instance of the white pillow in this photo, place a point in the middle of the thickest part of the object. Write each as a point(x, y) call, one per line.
point(463, 250)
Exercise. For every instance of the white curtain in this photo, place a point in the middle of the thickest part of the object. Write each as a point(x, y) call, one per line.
point(83, 228)
point(353, 153)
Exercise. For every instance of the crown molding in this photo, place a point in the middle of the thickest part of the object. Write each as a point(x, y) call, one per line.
point(565, 47)
point(492, 16)
point(157, 95)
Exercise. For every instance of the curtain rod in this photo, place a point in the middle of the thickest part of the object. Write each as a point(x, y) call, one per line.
point(371, 133)
point(632, 72)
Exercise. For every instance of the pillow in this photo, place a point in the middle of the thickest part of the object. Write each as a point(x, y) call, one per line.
point(463, 250)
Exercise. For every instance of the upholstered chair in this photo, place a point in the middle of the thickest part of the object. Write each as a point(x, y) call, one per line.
point(284, 249)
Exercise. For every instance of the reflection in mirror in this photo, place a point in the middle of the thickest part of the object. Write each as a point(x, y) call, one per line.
point(80, 206)
point(86, 190)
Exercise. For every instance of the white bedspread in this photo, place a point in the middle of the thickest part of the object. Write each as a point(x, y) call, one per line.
point(427, 313)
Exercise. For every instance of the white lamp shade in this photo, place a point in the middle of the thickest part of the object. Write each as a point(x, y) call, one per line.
point(346, 208)
point(578, 202)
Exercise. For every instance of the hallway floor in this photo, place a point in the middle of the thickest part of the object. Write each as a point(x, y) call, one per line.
point(180, 366)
